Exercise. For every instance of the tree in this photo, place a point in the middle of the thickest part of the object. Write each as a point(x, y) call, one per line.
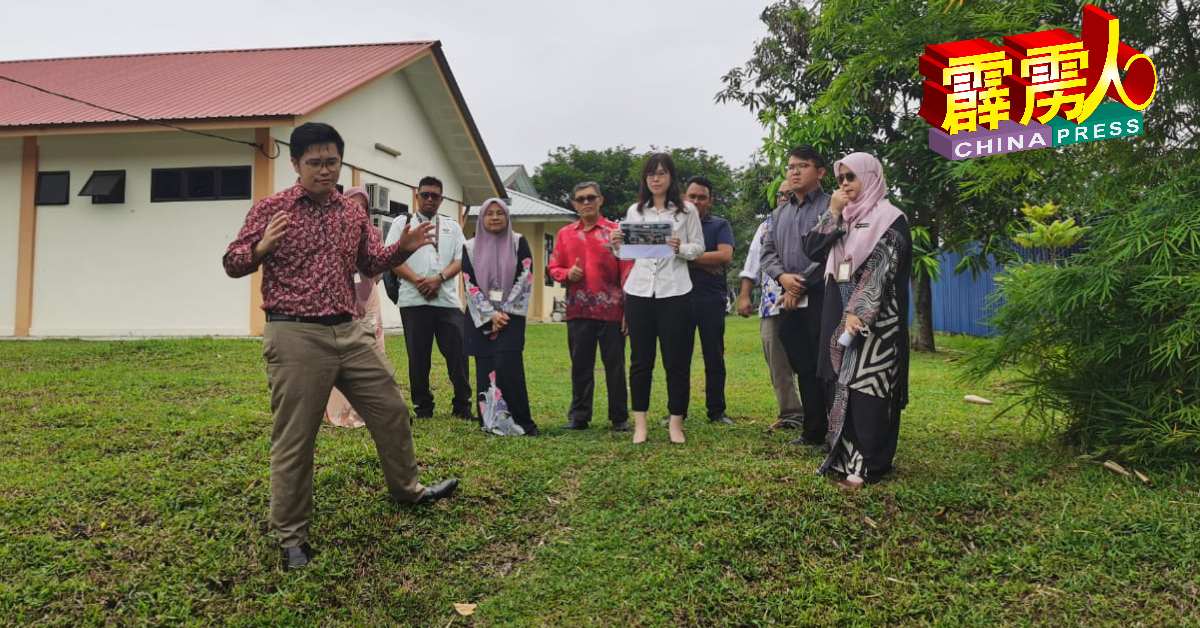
point(842, 75)
point(569, 165)
point(618, 169)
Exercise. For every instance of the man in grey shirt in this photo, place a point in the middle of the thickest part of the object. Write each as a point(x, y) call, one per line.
point(784, 260)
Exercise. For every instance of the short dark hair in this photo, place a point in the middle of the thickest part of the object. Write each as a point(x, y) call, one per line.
point(810, 154)
point(428, 180)
point(311, 133)
point(700, 180)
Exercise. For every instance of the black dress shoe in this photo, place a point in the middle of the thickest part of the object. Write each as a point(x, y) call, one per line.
point(722, 419)
point(808, 441)
point(297, 557)
point(423, 414)
point(531, 430)
point(575, 425)
point(623, 426)
point(441, 490)
point(464, 415)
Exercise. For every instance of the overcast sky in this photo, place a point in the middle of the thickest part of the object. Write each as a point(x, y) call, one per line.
point(536, 74)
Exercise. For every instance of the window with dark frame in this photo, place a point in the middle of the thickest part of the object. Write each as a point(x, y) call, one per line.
point(53, 188)
point(200, 184)
point(105, 187)
point(396, 208)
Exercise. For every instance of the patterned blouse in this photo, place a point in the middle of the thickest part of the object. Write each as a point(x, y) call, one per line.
point(480, 307)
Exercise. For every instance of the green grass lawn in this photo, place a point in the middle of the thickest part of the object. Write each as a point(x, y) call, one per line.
point(134, 488)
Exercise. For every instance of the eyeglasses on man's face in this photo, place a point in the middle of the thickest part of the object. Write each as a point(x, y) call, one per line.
point(429, 196)
point(332, 164)
point(586, 199)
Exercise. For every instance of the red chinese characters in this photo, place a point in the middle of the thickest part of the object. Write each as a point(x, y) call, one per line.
point(976, 84)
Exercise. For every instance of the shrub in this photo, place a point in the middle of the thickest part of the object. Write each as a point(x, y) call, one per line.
point(1106, 343)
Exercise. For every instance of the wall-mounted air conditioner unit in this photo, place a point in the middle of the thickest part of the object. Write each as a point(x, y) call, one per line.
point(377, 196)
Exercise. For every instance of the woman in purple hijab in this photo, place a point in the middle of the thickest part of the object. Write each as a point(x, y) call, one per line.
point(497, 269)
point(865, 243)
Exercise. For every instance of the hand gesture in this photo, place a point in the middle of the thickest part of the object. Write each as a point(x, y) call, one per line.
point(854, 324)
point(792, 283)
point(576, 272)
point(413, 238)
point(838, 202)
point(674, 242)
point(744, 307)
point(273, 235)
point(499, 322)
point(429, 286)
point(616, 238)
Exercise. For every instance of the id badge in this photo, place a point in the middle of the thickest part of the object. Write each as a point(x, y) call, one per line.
point(496, 295)
point(843, 272)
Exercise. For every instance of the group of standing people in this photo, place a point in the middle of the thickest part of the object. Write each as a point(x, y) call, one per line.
point(656, 303)
point(832, 271)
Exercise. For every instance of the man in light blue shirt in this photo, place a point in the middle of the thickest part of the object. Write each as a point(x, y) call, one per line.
point(429, 305)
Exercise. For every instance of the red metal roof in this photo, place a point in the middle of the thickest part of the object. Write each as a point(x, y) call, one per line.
point(194, 85)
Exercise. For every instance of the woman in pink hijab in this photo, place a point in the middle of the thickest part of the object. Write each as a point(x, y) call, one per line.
point(338, 411)
point(865, 243)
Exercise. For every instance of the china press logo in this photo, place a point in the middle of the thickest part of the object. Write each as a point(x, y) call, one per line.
point(1038, 90)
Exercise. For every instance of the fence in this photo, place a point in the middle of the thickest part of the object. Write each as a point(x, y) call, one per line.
point(961, 300)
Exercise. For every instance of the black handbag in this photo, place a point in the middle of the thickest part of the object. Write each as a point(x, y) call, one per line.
point(391, 284)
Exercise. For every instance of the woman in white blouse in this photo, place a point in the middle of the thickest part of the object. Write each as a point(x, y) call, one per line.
point(656, 302)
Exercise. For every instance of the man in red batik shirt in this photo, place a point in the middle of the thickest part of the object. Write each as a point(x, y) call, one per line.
point(583, 260)
point(309, 241)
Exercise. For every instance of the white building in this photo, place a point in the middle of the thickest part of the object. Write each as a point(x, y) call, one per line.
point(140, 253)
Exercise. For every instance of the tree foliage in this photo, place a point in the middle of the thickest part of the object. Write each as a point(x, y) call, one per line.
point(618, 170)
point(842, 75)
point(1107, 342)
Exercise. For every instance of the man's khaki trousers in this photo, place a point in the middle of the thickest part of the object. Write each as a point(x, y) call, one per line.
point(304, 361)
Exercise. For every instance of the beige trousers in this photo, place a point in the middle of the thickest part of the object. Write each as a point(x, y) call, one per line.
point(304, 362)
point(783, 379)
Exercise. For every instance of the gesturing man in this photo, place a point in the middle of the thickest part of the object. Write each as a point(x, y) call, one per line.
point(309, 241)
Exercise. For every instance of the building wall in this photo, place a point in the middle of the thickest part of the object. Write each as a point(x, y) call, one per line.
point(10, 209)
point(137, 268)
point(387, 111)
point(142, 268)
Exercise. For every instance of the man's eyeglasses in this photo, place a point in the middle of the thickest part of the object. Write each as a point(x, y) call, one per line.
point(846, 176)
point(587, 198)
point(429, 196)
point(324, 164)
